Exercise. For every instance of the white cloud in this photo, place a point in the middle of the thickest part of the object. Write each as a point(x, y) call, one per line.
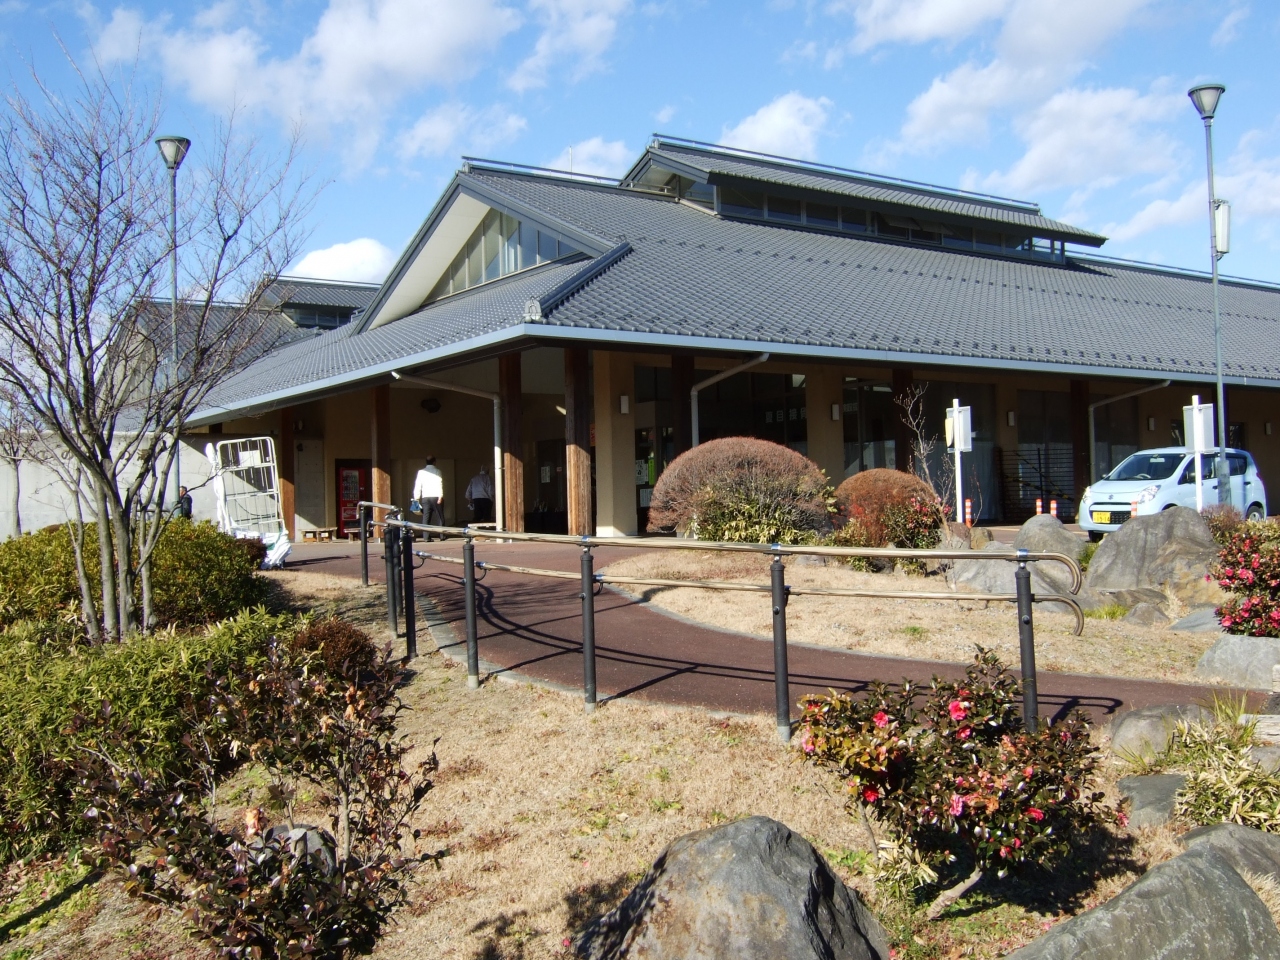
point(575, 30)
point(362, 58)
point(1090, 139)
point(665, 114)
point(361, 260)
point(449, 125)
point(789, 125)
point(917, 21)
point(604, 158)
point(1229, 28)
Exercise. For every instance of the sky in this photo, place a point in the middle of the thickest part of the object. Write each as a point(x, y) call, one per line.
point(1078, 105)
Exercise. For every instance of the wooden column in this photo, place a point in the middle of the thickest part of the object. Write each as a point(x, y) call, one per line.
point(577, 442)
point(901, 432)
point(509, 390)
point(681, 407)
point(285, 461)
point(380, 447)
point(1080, 435)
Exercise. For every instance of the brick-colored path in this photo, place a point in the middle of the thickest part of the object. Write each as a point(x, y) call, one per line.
point(531, 627)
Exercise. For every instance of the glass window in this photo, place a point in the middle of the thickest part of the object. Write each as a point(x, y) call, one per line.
point(853, 219)
point(1147, 466)
point(961, 238)
point(1239, 466)
point(741, 203)
point(492, 245)
point(1015, 243)
point(887, 226)
point(510, 244)
point(822, 215)
point(927, 233)
point(547, 247)
point(986, 240)
point(528, 246)
point(702, 194)
point(785, 209)
point(475, 265)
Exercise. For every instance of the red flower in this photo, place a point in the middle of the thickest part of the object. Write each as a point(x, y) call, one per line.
point(957, 710)
point(964, 732)
point(870, 794)
point(1035, 813)
point(1028, 772)
point(881, 719)
point(957, 805)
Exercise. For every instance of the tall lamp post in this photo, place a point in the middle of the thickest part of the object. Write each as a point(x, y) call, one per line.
point(1205, 97)
point(173, 150)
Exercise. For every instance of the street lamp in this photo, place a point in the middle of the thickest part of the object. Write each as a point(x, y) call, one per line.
point(1205, 97)
point(173, 150)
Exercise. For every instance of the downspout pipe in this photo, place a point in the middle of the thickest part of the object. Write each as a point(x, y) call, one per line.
point(498, 473)
point(716, 378)
point(1093, 446)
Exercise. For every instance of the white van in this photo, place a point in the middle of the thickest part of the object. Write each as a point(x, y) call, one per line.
point(1153, 480)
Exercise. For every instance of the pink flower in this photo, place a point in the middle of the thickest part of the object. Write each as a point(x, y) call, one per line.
point(881, 719)
point(957, 710)
point(1030, 771)
point(1004, 851)
point(870, 794)
point(964, 732)
point(1017, 844)
point(1035, 813)
point(1123, 818)
point(806, 742)
point(957, 805)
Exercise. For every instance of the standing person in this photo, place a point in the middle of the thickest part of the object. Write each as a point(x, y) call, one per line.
point(428, 489)
point(183, 507)
point(480, 497)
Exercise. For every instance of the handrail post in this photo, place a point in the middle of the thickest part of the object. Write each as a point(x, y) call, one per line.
point(1027, 642)
point(410, 603)
point(588, 629)
point(469, 590)
point(362, 512)
point(781, 677)
point(389, 551)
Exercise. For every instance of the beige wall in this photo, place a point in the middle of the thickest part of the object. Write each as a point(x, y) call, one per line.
point(824, 386)
point(615, 445)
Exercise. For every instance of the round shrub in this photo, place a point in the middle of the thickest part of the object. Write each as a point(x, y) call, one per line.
point(882, 502)
point(345, 649)
point(742, 489)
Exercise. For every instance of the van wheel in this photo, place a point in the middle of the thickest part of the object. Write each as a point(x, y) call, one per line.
point(1255, 512)
point(1095, 536)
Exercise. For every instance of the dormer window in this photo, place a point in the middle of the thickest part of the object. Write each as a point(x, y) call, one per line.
point(501, 245)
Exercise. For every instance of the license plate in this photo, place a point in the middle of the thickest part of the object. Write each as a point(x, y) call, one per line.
point(1101, 517)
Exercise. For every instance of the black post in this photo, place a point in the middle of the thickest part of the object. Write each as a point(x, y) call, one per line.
point(781, 676)
point(363, 514)
point(469, 589)
point(1027, 640)
point(588, 629)
point(410, 603)
point(390, 545)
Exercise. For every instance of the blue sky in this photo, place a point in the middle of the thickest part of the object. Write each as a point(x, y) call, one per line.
point(1079, 105)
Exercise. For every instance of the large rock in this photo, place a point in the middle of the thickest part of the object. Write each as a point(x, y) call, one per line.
point(994, 576)
point(1193, 907)
point(1151, 798)
point(1147, 615)
point(1046, 534)
point(1240, 662)
point(1170, 551)
point(1142, 733)
point(751, 890)
point(1203, 620)
point(1242, 847)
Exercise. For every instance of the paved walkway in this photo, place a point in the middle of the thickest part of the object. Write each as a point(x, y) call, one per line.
point(531, 627)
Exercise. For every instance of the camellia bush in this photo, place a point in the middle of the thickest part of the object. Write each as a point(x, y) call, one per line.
point(890, 506)
point(741, 489)
point(955, 778)
point(1248, 568)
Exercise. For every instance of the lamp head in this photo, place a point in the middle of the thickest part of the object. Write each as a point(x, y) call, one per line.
point(173, 149)
point(1205, 97)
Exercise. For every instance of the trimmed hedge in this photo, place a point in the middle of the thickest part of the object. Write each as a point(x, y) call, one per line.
point(885, 505)
point(155, 684)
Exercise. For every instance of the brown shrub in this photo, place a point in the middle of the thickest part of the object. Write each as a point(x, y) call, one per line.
point(867, 495)
point(741, 488)
point(345, 649)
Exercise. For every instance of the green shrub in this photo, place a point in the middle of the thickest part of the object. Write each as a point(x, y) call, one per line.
point(154, 685)
point(744, 490)
point(958, 781)
point(198, 575)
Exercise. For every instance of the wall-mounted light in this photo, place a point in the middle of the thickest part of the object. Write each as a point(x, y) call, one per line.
point(1268, 427)
point(431, 405)
point(624, 404)
point(1151, 424)
point(1012, 418)
point(835, 411)
point(297, 426)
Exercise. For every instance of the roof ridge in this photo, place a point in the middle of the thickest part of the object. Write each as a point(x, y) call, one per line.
point(537, 308)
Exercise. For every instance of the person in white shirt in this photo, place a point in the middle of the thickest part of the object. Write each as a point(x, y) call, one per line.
point(480, 497)
point(428, 490)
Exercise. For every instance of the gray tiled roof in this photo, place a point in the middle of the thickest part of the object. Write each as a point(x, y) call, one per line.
point(695, 280)
point(939, 201)
point(300, 291)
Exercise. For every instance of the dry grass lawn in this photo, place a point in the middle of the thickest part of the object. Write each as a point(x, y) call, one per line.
point(550, 816)
point(942, 630)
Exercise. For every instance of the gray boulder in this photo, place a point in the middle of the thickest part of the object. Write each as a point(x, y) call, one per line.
point(1170, 551)
point(1242, 847)
point(1193, 907)
point(1147, 615)
point(1204, 620)
point(979, 537)
point(1046, 534)
point(992, 576)
point(1145, 732)
point(1265, 755)
point(751, 890)
point(1240, 662)
point(1151, 798)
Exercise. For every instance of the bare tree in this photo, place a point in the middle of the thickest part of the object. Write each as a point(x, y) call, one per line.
point(84, 247)
point(19, 442)
point(941, 474)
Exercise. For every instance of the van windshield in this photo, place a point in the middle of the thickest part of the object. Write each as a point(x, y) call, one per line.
point(1147, 466)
